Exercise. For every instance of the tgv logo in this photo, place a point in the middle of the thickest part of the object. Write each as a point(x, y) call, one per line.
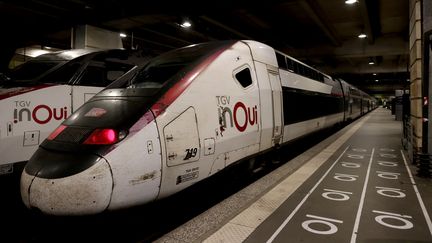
point(41, 114)
point(241, 116)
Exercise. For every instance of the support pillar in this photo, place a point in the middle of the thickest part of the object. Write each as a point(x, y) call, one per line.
point(415, 68)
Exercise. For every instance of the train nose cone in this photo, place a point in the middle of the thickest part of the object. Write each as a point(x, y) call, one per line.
point(87, 192)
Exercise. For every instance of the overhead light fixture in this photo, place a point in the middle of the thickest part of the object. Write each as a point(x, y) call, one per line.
point(350, 1)
point(186, 24)
point(123, 35)
point(376, 80)
point(362, 36)
point(374, 74)
point(371, 61)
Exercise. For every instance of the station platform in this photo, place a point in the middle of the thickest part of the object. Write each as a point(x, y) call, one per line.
point(355, 186)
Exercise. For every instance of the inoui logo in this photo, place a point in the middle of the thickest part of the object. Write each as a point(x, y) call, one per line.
point(240, 116)
point(41, 114)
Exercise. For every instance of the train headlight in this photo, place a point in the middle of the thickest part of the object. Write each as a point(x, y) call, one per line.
point(105, 136)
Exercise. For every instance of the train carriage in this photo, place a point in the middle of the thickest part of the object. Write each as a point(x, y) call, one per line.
point(38, 95)
point(181, 118)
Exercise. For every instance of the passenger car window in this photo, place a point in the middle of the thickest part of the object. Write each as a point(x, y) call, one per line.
point(244, 77)
point(281, 61)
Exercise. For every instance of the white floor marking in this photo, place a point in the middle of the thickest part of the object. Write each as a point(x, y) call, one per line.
point(250, 218)
point(425, 212)
point(286, 221)
point(362, 198)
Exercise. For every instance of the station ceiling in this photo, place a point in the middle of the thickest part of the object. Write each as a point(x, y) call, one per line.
point(321, 33)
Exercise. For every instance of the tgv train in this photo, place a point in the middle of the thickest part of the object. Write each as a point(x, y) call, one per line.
point(38, 95)
point(184, 116)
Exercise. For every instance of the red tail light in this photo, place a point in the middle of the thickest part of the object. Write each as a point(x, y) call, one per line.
point(56, 132)
point(103, 136)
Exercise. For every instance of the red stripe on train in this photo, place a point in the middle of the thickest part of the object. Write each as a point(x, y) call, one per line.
point(22, 90)
point(174, 92)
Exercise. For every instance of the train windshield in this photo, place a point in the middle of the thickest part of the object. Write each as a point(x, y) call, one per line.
point(33, 69)
point(171, 66)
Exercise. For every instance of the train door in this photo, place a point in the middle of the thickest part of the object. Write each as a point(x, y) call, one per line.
point(182, 145)
point(276, 94)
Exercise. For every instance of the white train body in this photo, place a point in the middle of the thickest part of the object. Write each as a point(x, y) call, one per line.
point(45, 91)
point(231, 104)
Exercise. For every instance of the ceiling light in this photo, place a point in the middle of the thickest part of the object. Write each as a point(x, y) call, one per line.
point(186, 24)
point(376, 80)
point(374, 74)
point(350, 1)
point(362, 36)
point(371, 62)
point(123, 35)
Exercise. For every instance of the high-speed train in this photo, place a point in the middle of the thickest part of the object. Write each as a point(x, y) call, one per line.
point(38, 95)
point(184, 116)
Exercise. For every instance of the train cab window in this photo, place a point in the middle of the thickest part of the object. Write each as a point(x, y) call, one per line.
point(156, 76)
point(281, 61)
point(62, 75)
point(94, 75)
point(244, 77)
point(101, 74)
point(33, 69)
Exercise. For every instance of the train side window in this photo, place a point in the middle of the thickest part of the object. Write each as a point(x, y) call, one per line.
point(301, 70)
point(244, 77)
point(308, 72)
point(296, 68)
point(281, 61)
point(290, 64)
point(311, 73)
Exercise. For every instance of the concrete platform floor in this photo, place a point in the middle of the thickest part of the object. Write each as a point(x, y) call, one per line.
point(355, 186)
